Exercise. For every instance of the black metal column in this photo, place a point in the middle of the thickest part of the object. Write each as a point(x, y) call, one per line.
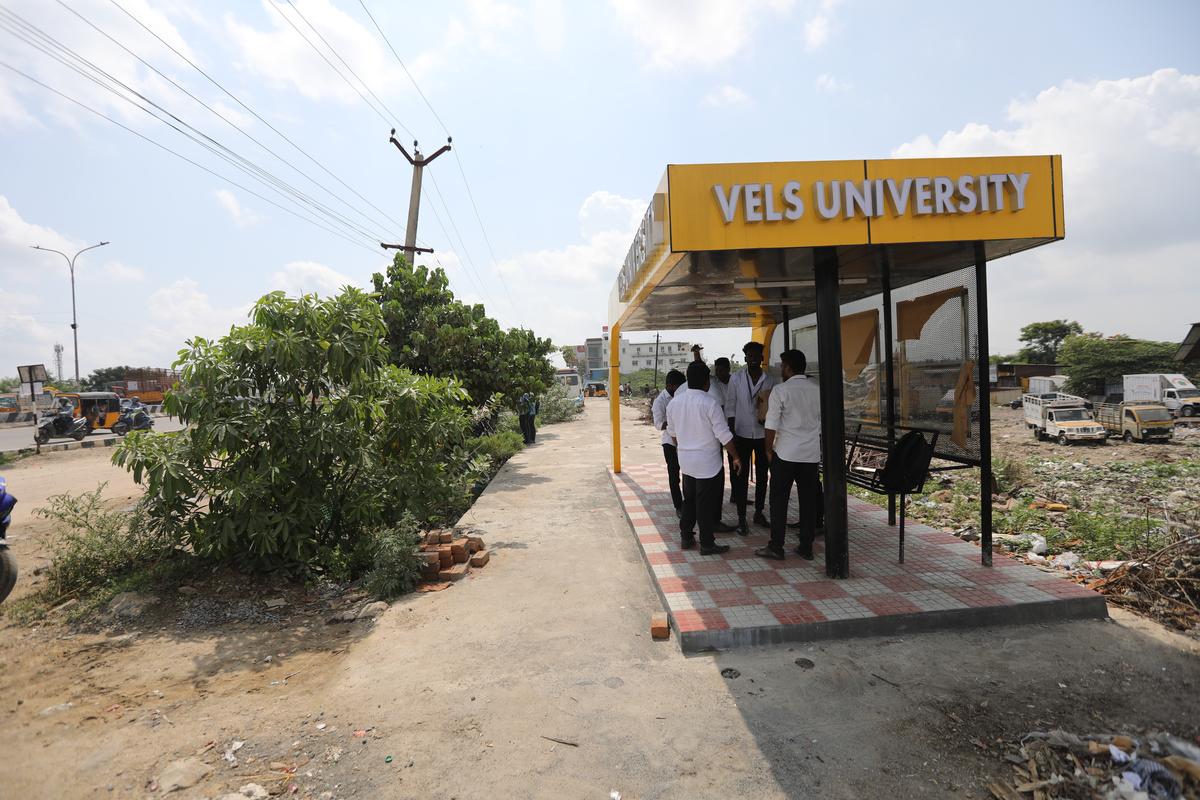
point(889, 367)
point(833, 424)
point(982, 359)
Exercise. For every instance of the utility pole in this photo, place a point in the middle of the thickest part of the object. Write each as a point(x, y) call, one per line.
point(74, 321)
point(414, 199)
point(656, 336)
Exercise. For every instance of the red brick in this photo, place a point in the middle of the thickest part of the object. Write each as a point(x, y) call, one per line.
point(454, 573)
point(459, 552)
point(446, 537)
point(481, 558)
point(430, 557)
point(445, 556)
point(659, 627)
point(476, 543)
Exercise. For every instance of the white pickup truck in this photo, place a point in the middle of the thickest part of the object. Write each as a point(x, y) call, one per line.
point(1063, 417)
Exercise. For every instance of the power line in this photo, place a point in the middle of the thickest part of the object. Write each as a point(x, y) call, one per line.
point(318, 223)
point(215, 147)
point(337, 55)
point(254, 113)
point(198, 137)
point(217, 114)
point(469, 262)
point(406, 72)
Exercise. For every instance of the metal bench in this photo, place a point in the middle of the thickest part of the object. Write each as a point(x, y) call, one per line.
point(867, 473)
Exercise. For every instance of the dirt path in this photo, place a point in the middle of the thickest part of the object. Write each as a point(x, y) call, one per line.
point(462, 687)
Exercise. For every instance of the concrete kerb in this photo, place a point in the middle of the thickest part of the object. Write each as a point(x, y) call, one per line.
point(54, 447)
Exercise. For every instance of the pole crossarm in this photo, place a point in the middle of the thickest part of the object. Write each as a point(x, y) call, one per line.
point(405, 248)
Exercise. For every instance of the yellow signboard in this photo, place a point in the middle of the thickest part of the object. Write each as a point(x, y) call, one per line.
point(829, 203)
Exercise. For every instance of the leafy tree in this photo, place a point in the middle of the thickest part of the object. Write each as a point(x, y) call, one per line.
point(101, 379)
point(301, 439)
point(1042, 340)
point(431, 333)
point(10, 384)
point(1091, 360)
point(569, 357)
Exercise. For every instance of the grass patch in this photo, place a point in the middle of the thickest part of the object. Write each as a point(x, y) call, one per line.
point(396, 568)
point(99, 553)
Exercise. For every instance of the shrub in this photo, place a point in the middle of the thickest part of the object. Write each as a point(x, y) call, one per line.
point(500, 446)
point(301, 439)
point(395, 567)
point(554, 406)
point(95, 549)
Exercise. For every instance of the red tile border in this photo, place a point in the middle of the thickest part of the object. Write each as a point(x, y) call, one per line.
point(705, 619)
point(797, 613)
point(672, 585)
point(820, 590)
point(766, 577)
point(887, 604)
point(728, 598)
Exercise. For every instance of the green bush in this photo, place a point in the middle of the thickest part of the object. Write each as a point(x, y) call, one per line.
point(95, 549)
point(554, 406)
point(396, 567)
point(500, 446)
point(301, 439)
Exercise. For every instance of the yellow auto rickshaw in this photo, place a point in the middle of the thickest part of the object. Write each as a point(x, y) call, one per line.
point(101, 409)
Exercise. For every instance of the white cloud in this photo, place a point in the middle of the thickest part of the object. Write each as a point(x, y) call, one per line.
point(116, 271)
point(572, 282)
point(310, 277)
point(1131, 162)
point(20, 99)
point(726, 97)
point(690, 33)
point(827, 84)
point(242, 217)
point(281, 56)
point(819, 26)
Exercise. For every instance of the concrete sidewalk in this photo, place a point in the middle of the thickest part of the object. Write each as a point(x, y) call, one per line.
point(552, 640)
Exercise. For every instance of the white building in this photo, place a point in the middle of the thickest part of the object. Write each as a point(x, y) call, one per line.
point(639, 355)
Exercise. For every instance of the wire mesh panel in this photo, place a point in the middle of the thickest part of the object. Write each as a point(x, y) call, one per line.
point(934, 348)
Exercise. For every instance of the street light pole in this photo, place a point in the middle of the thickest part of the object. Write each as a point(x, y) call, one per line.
point(71, 266)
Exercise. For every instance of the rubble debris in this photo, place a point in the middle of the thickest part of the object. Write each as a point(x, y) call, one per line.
point(182, 774)
point(447, 555)
point(1164, 584)
point(1059, 763)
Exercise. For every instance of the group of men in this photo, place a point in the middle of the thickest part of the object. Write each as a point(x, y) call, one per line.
point(757, 421)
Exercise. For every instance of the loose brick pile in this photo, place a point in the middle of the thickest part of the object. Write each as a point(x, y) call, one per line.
point(447, 554)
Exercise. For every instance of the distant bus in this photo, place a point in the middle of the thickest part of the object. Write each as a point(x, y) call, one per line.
point(571, 385)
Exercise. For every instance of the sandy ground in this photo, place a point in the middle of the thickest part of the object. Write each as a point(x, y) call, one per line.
point(460, 687)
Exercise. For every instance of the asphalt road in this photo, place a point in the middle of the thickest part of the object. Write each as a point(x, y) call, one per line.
point(17, 438)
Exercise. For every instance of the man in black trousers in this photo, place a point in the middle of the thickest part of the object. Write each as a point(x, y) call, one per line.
point(658, 411)
point(793, 442)
point(741, 407)
point(695, 420)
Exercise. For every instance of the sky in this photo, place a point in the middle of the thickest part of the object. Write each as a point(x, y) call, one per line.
point(563, 118)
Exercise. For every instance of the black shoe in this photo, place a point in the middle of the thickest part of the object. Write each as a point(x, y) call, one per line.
point(687, 543)
point(724, 527)
point(761, 519)
point(770, 552)
point(804, 552)
point(715, 550)
point(742, 528)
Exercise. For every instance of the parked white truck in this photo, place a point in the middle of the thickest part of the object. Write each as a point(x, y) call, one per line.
point(1046, 384)
point(1063, 417)
point(1176, 392)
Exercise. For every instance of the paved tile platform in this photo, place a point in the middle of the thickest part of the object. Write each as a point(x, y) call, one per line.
point(738, 599)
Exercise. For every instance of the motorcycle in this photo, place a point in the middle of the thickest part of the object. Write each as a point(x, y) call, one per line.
point(8, 564)
point(61, 426)
point(133, 419)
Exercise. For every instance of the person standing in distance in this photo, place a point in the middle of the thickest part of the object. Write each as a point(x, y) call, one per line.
point(793, 443)
point(695, 420)
point(658, 411)
point(741, 406)
point(527, 408)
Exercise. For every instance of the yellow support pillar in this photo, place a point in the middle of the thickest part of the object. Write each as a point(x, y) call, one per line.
point(763, 334)
point(614, 392)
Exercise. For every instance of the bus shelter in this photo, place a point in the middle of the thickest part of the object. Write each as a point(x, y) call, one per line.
point(876, 269)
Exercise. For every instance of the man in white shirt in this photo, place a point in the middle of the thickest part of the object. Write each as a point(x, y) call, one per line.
point(718, 387)
point(741, 407)
point(695, 420)
point(658, 411)
point(793, 440)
